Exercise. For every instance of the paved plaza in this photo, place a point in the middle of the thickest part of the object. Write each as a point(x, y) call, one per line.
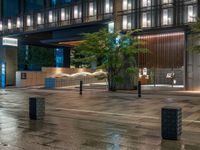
point(97, 120)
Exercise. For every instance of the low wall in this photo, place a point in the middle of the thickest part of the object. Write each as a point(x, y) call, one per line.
point(37, 78)
point(62, 82)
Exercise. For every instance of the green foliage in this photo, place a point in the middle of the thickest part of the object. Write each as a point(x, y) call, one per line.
point(195, 28)
point(114, 56)
point(36, 56)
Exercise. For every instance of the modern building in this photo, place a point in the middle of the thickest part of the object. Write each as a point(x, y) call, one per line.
point(58, 24)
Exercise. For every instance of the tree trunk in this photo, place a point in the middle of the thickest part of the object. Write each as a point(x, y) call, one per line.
point(111, 81)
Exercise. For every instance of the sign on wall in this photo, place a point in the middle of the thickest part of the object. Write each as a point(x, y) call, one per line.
point(23, 76)
point(9, 41)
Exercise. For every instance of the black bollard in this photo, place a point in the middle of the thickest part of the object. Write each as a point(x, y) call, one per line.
point(81, 87)
point(139, 89)
point(171, 120)
point(36, 108)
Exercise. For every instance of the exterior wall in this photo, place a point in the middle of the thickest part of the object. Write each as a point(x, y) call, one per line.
point(166, 50)
point(162, 73)
point(193, 65)
point(35, 78)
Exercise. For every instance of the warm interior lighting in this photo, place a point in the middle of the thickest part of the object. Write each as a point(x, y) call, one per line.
point(39, 18)
point(50, 16)
point(28, 21)
point(1, 26)
point(111, 27)
point(70, 43)
point(125, 22)
point(63, 14)
point(91, 9)
point(162, 35)
point(125, 3)
point(191, 16)
point(107, 6)
point(58, 71)
point(9, 24)
point(75, 12)
point(18, 23)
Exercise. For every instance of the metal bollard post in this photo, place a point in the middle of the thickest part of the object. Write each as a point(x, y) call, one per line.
point(81, 87)
point(139, 89)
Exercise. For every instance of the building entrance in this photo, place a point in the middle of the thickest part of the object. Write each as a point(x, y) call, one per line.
point(163, 64)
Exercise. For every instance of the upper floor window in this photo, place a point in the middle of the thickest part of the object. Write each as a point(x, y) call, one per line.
point(127, 4)
point(167, 1)
point(108, 6)
point(18, 22)
point(50, 16)
point(146, 3)
point(28, 21)
point(167, 15)
point(146, 19)
point(92, 9)
point(126, 24)
point(191, 13)
point(40, 19)
point(77, 12)
point(9, 24)
point(64, 14)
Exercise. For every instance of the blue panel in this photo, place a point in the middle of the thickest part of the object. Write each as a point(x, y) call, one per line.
point(59, 57)
point(3, 74)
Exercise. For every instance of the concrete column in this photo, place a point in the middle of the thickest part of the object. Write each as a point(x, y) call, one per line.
point(9, 56)
point(193, 65)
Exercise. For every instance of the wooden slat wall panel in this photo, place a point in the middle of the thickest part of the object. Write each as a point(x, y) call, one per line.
point(165, 50)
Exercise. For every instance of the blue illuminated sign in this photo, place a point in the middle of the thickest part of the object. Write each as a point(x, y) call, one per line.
point(3, 74)
point(59, 57)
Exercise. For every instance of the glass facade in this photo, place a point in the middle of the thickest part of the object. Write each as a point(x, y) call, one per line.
point(33, 5)
point(151, 13)
point(59, 2)
point(145, 14)
point(13, 8)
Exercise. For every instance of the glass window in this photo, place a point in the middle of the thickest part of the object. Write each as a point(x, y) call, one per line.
point(1, 26)
point(167, 16)
point(77, 11)
point(108, 6)
point(146, 19)
point(64, 14)
point(50, 18)
point(127, 4)
point(92, 9)
point(190, 13)
point(146, 3)
point(18, 22)
point(167, 1)
point(28, 21)
point(9, 24)
point(126, 25)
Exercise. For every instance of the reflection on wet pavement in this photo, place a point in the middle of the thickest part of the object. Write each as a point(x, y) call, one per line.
point(97, 120)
